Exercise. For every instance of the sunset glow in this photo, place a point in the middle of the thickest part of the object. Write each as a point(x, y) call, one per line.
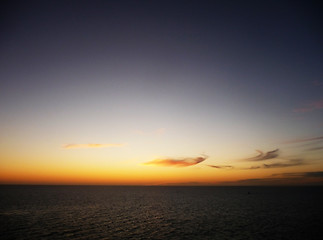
point(114, 94)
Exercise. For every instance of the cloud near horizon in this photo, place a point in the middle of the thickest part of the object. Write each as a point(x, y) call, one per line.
point(294, 178)
point(264, 156)
point(183, 162)
point(93, 145)
point(221, 166)
point(318, 174)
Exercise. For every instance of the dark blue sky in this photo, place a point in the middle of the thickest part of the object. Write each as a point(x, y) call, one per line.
point(263, 49)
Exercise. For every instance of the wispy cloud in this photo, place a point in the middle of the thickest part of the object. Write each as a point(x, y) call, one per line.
point(252, 168)
point(309, 107)
point(289, 163)
point(93, 145)
point(264, 156)
point(304, 140)
point(315, 148)
point(183, 162)
point(221, 166)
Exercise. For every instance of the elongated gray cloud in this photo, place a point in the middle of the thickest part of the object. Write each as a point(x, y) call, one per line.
point(264, 156)
point(221, 166)
point(315, 148)
point(183, 162)
point(92, 145)
point(304, 140)
point(307, 144)
point(289, 163)
point(252, 168)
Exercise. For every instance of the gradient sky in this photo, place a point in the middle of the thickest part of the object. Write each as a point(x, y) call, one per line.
point(161, 92)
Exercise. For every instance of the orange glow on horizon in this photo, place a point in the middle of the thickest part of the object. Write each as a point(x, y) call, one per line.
point(153, 176)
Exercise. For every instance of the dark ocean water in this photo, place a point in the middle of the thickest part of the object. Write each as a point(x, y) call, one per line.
point(105, 212)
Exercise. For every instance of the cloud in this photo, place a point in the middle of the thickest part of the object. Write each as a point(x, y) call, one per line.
point(304, 140)
point(258, 182)
point(252, 168)
point(139, 132)
point(184, 162)
point(309, 107)
point(297, 178)
point(93, 145)
point(290, 163)
point(317, 83)
point(221, 166)
point(272, 181)
point(318, 174)
point(314, 174)
point(159, 131)
point(183, 184)
point(264, 156)
point(315, 148)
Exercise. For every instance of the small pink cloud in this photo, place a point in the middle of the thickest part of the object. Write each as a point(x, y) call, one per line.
point(159, 132)
point(310, 107)
point(317, 83)
point(184, 162)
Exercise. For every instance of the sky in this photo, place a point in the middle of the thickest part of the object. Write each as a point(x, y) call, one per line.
point(161, 92)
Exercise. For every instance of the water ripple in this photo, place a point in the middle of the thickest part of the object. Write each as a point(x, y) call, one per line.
point(58, 212)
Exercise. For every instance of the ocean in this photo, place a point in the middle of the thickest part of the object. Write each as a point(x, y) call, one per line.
point(160, 212)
